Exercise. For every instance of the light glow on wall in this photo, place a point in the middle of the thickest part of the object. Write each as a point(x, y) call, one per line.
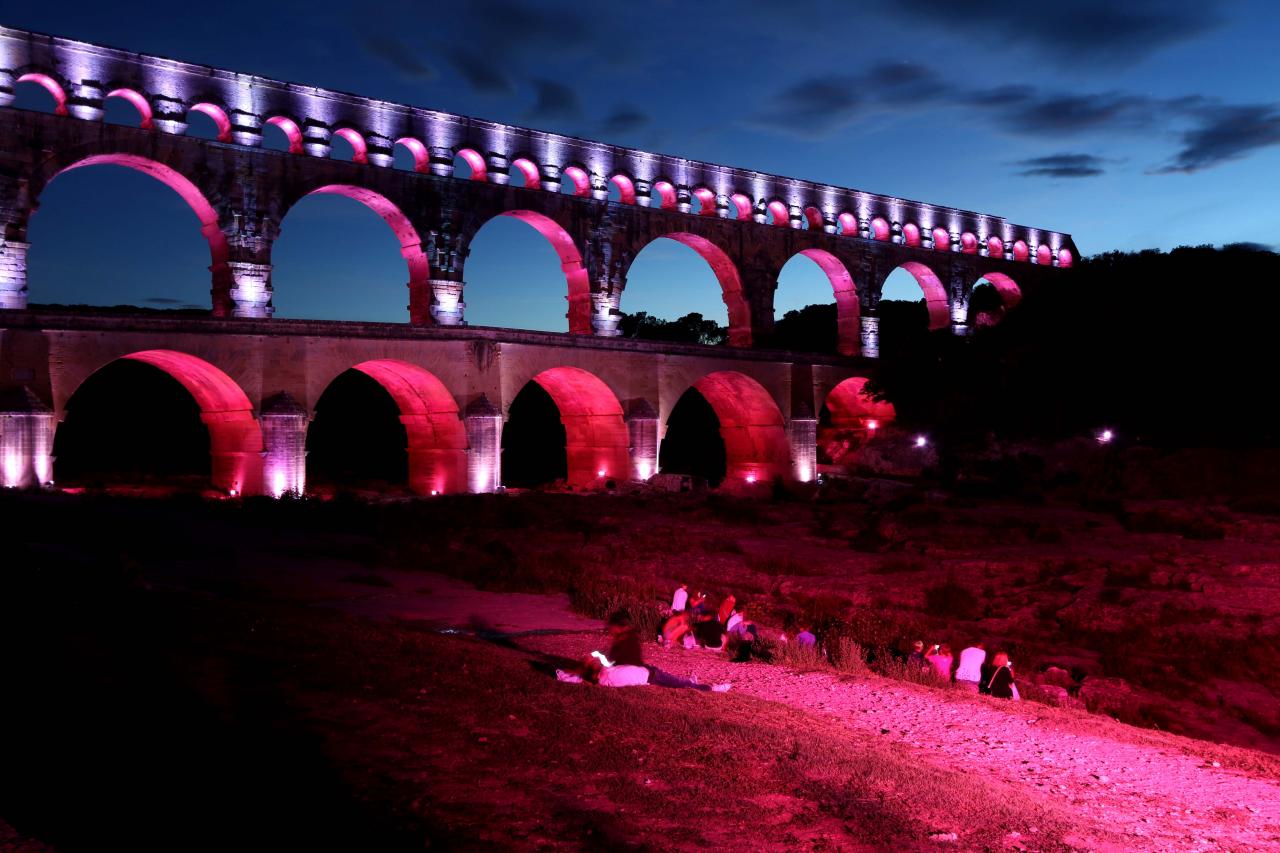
point(880, 229)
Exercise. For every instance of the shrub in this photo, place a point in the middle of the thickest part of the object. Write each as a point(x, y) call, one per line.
point(951, 600)
point(1186, 524)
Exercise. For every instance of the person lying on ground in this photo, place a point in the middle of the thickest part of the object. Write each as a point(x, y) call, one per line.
point(608, 672)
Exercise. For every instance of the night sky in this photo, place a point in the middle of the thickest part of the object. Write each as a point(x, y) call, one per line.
point(1142, 124)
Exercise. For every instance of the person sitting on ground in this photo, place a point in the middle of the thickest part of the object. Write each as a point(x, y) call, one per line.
point(675, 628)
point(624, 640)
point(940, 659)
point(681, 599)
point(726, 609)
point(915, 660)
point(806, 639)
point(709, 632)
point(735, 619)
point(969, 673)
point(699, 606)
point(1001, 684)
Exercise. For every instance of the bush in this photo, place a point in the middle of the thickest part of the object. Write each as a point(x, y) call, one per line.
point(1186, 524)
point(951, 600)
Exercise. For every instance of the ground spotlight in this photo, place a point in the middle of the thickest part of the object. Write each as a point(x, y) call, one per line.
point(1106, 436)
point(921, 441)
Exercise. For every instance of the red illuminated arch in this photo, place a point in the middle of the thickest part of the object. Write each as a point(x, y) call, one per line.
point(1010, 293)
point(968, 243)
point(665, 192)
point(579, 283)
point(410, 243)
point(473, 159)
point(1064, 258)
point(848, 328)
point(741, 206)
point(880, 229)
point(781, 216)
point(1044, 255)
point(851, 407)
point(208, 217)
point(359, 150)
point(579, 179)
point(813, 217)
point(941, 239)
point(626, 188)
point(995, 247)
point(911, 234)
point(755, 438)
point(935, 295)
point(291, 131)
point(421, 159)
point(50, 85)
point(219, 116)
point(706, 201)
point(139, 103)
point(235, 440)
point(847, 224)
point(437, 437)
point(730, 284)
point(596, 438)
point(1020, 251)
point(529, 169)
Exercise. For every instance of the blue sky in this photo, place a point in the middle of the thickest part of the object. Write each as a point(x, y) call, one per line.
point(1135, 125)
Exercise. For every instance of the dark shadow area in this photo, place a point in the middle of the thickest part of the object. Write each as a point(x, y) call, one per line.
point(693, 444)
point(808, 329)
point(533, 441)
point(130, 423)
point(357, 439)
point(986, 308)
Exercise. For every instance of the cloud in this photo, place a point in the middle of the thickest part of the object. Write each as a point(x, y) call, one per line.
point(555, 101)
point(624, 120)
point(1223, 133)
point(481, 74)
point(1061, 166)
point(162, 300)
point(398, 55)
point(1037, 113)
point(816, 105)
point(1097, 31)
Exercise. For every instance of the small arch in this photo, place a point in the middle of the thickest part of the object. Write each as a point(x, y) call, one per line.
point(529, 171)
point(474, 162)
point(741, 207)
point(847, 224)
point(1020, 251)
point(665, 192)
point(626, 188)
point(968, 243)
point(1044, 255)
point(935, 295)
point(219, 117)
point(778, 214)
point(1064, 258)
point(706, 201)
point(137, 101)
point(50, 85)
point(911, 234)
point(417, 151)
point(596, 437)
point(359, 149)
point(813, 217)
point(577, 182)
point(290, 129)
point(995, 247)
point(751, 425)
point(941, 239)
point(880, 229)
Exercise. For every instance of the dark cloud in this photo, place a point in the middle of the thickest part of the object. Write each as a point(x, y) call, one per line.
point(624, 120)
point(1224, 133)
point(481, 74)
point(1037, 113)
point(398, 56)
point(817, 105)
point(902, 81)
point(555, 102)
point(1061, 166)
point(1097, 31)
point(161, 300)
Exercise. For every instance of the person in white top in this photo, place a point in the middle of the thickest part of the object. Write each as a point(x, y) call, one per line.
point(680, 599)
point(733, 622)
point(969, 673)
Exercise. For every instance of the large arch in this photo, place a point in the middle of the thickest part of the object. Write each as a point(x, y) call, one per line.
point(437, 438)
point(850, 417)
point(596, 437)
point(755, 437)
point(730, 284)
point(1010, 293)
point(235, 438)
point(935, 294)
point(575, 273)
point(410, 243)
point(195, 199)
point(848, 310)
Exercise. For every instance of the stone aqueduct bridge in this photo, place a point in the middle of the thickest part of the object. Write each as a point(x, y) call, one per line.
point(252, 375)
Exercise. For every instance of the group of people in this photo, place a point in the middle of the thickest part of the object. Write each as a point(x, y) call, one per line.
point(623, 664)
point(970, 671)
point(692, 622)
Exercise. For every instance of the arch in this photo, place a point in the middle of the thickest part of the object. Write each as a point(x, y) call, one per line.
point(421, 158)
point(911, 234)
point(576, 277)
point(529, 169)
point(191, 194)
point(436, 435)
point(50, 85)
point(291, 131)
point(1044, 255)
point(580, 180)
point(730, 284)
point(995, 247)
point(359, 149)
point(1020, 251)
point(219, 116)
point(847, 224)
point(880, 229)
point(626, 188)
point(410, 242)
point(235, 439)
point(968, 243)
point(848, 322)
point(941, 239)
point(779, 214)
point(666, 194)
point(1010, 293)
point(850, 406)
point(1064, 258)
point(935, 295)
point(813, 217)
point(475, 161)
point(755, 438)
point(596, 437)
point(138, 102)
point(706, 201)
point(741, 206)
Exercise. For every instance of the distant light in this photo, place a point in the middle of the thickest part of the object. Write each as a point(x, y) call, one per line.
point(751, 478)
point(873, 424)
point(235, 493)
point(1106, 436)
point(921, 441)
point(434, 492)
point(600, 473)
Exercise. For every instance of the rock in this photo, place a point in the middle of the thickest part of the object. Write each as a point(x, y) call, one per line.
point(944, 836)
